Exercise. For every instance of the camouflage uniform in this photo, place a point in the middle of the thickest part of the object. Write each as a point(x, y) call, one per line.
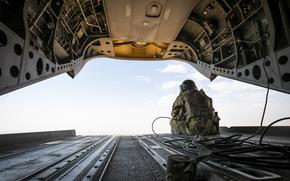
point(193, 114)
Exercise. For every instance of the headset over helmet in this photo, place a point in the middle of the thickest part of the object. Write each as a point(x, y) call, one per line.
point(187, 84)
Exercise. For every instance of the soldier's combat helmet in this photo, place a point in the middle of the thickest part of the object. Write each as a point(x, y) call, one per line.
point(187, 84)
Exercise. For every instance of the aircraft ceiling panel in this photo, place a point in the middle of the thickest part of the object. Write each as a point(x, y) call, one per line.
point(244, 40)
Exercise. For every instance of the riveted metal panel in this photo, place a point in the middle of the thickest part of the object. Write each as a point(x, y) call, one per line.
point(128, 19)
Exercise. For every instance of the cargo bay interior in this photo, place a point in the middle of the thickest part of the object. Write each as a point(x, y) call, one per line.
point(244, 40)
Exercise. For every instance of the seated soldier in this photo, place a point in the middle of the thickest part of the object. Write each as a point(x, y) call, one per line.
point(193, 113)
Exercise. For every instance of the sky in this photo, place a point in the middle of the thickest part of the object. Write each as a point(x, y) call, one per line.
point(111, 96)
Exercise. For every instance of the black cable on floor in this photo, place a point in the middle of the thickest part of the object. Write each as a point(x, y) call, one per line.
point(152, 125)
point(268, 127)
point(265, 106)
